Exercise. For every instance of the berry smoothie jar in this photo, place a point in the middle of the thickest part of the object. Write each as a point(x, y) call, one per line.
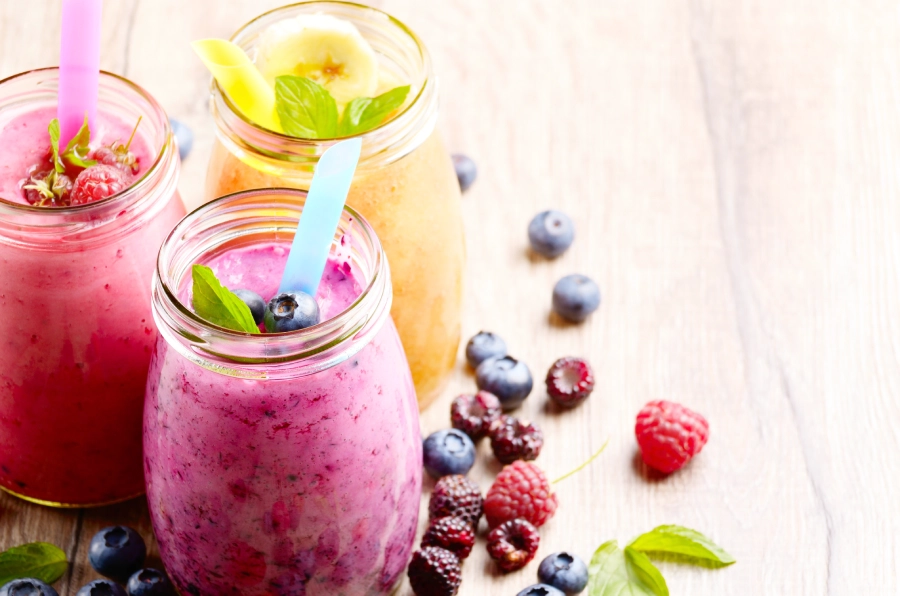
point(285, 463)
point(405, 184)
point(76, 331)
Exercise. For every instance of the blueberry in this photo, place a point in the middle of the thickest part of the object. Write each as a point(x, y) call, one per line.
point(540, 590)
point(116, 552)
point(291, 311)
point(27, 587)
point(254, 302)
point(150, 582)
point(482, 346)
point(102, 587)
point(564, 571)
point(184, 135)
point(466, 171)
point(448, 452)
point(575, 297)
point(551, 233)
point(507, 378)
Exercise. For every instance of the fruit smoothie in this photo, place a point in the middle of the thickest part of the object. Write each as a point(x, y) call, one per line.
point(405, 184)
point(287, 463)
point(76, 331)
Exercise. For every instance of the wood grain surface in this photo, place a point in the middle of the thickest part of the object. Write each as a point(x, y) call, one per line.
point(732, 167)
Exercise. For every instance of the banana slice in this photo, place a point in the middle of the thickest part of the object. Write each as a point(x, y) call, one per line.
point(323, 48)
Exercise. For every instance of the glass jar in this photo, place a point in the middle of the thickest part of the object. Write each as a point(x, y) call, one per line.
point(76, 331)
point(283, 463)
point(405, 185)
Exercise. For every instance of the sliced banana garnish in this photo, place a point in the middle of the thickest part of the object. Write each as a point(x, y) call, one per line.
point(328, 50)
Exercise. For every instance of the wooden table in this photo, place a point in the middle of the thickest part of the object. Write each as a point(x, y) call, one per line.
point(733, 171)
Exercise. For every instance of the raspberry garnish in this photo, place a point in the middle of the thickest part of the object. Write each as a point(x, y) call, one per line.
point(513, 544)
point(474, 414)
point(521, 490)
point(98, 182)
point(452, 533)
point(434, 571)
point(669, 435)
point(47, 189)
point(513, 439)
point(456, 496)
point(570, 381)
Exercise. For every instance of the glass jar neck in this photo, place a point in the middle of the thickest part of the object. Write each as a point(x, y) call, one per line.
point(399, 51)
point(254, 218)
point(59, 228)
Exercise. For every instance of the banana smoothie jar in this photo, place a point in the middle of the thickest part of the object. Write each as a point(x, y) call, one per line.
point(341, 70)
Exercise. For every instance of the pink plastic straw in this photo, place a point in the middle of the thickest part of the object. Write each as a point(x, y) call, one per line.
point(79, 66)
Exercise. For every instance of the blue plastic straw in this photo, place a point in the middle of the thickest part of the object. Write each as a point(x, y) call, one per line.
point(320, 218)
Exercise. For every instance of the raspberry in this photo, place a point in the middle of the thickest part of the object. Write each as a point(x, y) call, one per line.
point(456, 496)
point(47, 189)
point(434, 571)
point(116, 155)
point(570, 381)
point(98, 182)
point(669, 435)
point(513, 544)
point(521, 490)
point(452, 533)
point(474, 414)
point(513, 439)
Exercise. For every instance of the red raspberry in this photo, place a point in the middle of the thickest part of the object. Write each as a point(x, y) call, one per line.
point(452, 533)
point(669, 435)
point(116, 155)
point(474, 414)
point(48, 189)
point(521, 490)
point(434, 571)
point(570, 381)
point(98, 182)
point(513, 439)
point(513, 544)
point(456, 496)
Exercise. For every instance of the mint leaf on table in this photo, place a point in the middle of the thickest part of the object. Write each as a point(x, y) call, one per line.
point(365, 113)
point(217, 304)
point(683, 544)
point(77, 150)
point(306, 109)
point(614, 572)
point(39, 560)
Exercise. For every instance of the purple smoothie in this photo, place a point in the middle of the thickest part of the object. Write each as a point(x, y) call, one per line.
point(307, 485)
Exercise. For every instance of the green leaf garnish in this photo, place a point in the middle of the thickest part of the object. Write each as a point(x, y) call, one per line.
point(614, 573)
point(682, 544)
point(305, 108)
point(53, 129)
point(365, 113)
point(77, 150)
point(217, 304)
point(39, 560)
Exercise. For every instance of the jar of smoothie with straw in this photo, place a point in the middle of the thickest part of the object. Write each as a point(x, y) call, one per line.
point(282, 444)
point(294, 81)
point(87, 195)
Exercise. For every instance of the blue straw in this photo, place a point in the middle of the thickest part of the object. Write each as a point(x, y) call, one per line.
point(320, 218)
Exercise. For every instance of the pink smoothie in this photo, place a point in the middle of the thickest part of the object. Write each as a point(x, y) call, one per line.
point(76, 331)
point(304, 486)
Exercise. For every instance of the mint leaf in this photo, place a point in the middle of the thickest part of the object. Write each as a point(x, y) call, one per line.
point(641, 566)
point(305, 108)
point(612, 574)
point(365, 113)
point(217, 304)
point(39, 560)
point(77, 150)
point(683, 544)
point(53, 129)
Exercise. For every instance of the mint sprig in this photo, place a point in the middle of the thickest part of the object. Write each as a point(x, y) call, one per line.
point(77, 149)
point(307, 110)
point(682, 544)
point(39, 560)
point(217, 304)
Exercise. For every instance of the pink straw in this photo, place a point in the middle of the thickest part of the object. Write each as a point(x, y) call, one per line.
point(79, 66)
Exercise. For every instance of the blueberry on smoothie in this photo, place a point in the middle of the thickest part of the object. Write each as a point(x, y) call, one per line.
point(102, 587)
point(116, 552)
point(551, 233)
point(507, 378)
point(564, 571)
point(466, 171)
point(448, 452)
point(254, 302)
point(575, 297)
point(150, 582)
point(482, 346)
point(291, 311)
point(27, 587)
